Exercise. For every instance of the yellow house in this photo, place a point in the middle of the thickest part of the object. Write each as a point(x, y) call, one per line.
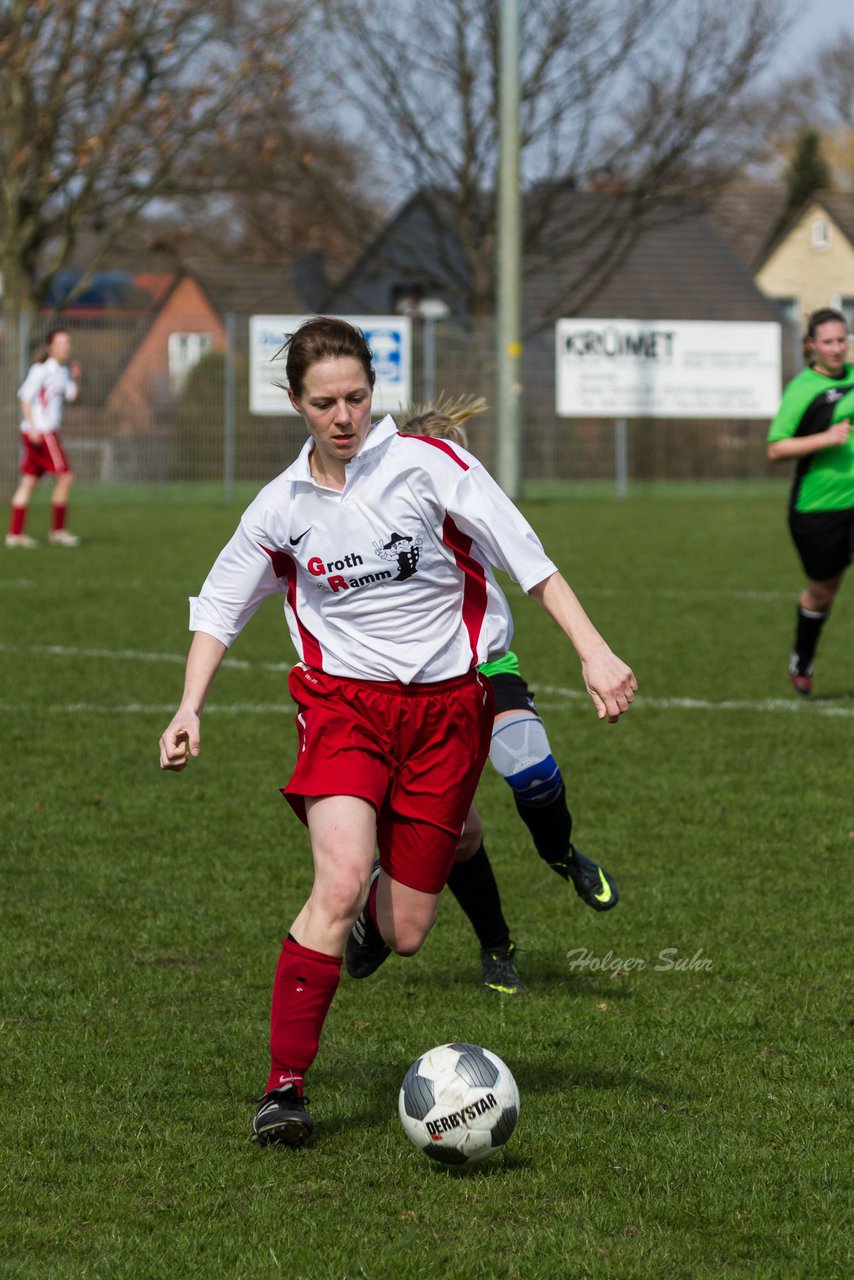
point(811, 264)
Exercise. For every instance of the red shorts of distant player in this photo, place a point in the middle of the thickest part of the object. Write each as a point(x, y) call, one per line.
point(415, 752)
point(48, 456)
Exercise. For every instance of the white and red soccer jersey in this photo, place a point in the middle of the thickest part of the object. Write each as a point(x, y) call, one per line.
point(388, 579)
point(46, 388)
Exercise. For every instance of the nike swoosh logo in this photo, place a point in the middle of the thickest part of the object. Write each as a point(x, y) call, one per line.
point(605, 895)
point(296, 541)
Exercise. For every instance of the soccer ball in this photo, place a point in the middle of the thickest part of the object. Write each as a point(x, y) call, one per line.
point(458, 1103)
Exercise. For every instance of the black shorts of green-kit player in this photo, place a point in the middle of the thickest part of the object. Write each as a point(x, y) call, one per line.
point(824, 541)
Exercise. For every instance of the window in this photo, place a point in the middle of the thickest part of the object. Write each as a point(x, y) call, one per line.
point(820, 234)
point(185, 352)
point(791, 309)
point(846, 306)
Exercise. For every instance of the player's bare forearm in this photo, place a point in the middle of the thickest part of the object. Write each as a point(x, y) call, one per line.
point(610, 683)
point(203, 659)
point(182, 739)
point(803, 446)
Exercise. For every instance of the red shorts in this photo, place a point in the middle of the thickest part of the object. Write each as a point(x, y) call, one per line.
point(415, 752)
point(46, 456)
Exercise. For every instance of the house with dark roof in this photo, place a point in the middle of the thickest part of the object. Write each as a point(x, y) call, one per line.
point(747, 215)
point(188, 321)
point(677, 266)
point(138, 335)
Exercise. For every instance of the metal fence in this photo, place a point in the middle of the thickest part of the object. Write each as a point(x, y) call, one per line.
point(141, 421)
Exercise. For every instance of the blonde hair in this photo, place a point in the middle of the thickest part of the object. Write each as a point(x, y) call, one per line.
point(444, 419)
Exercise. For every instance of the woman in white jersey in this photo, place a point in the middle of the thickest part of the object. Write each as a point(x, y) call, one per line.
point(42, 396)
point(381, 546)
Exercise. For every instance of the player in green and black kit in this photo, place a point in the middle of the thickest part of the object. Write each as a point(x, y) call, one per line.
point(521, 753)
point(813, 426)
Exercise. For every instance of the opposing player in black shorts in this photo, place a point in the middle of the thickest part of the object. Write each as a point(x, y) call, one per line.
point(813, 426)
point(521, 753)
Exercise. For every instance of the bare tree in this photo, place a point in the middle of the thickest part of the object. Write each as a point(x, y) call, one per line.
point(109, 105)
point(292, 186)
point(820, 97)
point(639, 98)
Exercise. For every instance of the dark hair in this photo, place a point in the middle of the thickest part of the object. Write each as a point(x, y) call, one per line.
point(47, 340)
point(323, 338)
point(824, 315)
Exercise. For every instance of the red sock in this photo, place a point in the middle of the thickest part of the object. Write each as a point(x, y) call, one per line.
point(57, 519)
point(16, 523)
point(306, 982)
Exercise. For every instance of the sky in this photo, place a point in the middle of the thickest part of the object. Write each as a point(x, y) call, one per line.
point(816, 25)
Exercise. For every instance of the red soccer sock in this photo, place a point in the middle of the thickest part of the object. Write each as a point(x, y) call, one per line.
point(57, 518)
point(16, 522)
point(306, 982)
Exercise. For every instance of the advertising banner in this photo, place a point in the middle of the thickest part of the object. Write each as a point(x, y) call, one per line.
point(390, 340)
point(667, 369)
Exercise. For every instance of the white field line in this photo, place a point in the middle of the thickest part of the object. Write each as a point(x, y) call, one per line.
point(135, 655)
point(761, 706)
point(560, 695)
point(140, 709)
point(799, 706)
point(694, 593)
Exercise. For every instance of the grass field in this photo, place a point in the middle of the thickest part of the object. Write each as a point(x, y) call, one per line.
point(678, 1119)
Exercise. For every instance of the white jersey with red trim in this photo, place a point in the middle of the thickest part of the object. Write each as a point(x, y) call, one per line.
point(46, 388)
point(387, 579)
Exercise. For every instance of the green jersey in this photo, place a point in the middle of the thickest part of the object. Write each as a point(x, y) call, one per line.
point(812, 402)
point(507, 664)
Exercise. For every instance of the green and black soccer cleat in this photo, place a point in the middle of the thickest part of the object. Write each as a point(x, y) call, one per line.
point(499, 971)
point(593, 884)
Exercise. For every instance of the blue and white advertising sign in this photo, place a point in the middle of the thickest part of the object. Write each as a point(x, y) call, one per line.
point(390, 340)
point(667, 368)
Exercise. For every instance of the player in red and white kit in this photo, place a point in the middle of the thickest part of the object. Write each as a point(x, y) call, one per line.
point(42, 395)
point(381, 546)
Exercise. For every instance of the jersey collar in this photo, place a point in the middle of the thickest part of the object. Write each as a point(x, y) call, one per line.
point(379, 433)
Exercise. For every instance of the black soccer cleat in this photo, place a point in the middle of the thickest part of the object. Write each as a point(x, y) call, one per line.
point(282, 1118)
point(801, 679)
point(801, 684)
point(366, 950)
point(499, 970)
point(593, 884)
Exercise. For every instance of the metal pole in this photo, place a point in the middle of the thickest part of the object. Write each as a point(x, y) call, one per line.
point(23, 344)
point(621, 457)
point(429, 359)
point(508, 404)
point(229, 415)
